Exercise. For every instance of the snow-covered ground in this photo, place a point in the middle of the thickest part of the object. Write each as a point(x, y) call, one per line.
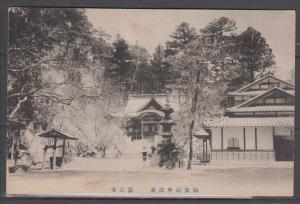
point(113, 177)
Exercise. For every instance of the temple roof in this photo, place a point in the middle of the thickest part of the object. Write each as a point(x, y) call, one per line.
point(245, 88)
point(261, 109)
point(253, 93)
point(140, 113)
point(57, 134)
point(262, 95)
point(252, 122)
point(137, 102)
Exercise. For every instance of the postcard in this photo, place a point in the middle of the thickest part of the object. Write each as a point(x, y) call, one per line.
point(150, 103)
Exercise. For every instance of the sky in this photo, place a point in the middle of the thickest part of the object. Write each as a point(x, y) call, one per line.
point(151, 27)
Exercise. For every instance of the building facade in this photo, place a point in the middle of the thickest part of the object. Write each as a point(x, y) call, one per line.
point(143, 114)
point(258, 125)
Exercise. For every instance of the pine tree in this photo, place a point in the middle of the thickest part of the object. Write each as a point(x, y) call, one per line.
point(255, 53)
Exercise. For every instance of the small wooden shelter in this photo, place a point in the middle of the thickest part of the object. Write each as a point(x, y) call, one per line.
point(205, 136)
point(55, 136)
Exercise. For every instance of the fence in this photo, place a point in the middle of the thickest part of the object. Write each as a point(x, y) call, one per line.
point(261, 155)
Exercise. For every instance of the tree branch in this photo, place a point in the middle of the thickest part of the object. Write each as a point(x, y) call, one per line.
point(33, 65)
point(18, 106)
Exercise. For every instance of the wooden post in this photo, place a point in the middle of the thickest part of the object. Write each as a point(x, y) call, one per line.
point(54, 154)
point(44, 157)
point(18, 143)
point(203, 149)
point(142, 130)
point(206, 155)
point(255, 131)
point(244, 134)
point(255, 143)
point(273, 132)
point(210, 146)
point(63, 152)
point(222, 146)
point(13, 146)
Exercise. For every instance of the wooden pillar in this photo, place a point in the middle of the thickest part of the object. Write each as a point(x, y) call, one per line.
point(244, 134)
point(44, 157)
point(206, 150)
point(54, 153)
point(63, 152)
point(17, 148)
point(142, 130)
point(273, 133)
point(255, 138)
point(255, 143)
point(13, 146)
point(210, 146)
point(203, 149)
point(222, 146)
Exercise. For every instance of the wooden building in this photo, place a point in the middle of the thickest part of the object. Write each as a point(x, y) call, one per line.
point(143, 114)
point(57, 143)
point(259, 125)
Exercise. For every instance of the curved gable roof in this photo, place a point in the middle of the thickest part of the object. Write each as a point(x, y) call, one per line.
point(262, 95)
point(137, 103)
point(261, 79)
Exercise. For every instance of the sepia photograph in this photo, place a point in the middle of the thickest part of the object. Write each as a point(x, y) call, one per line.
point(180, 103)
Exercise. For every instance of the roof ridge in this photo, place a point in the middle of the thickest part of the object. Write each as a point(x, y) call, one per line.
point(260, 95)
point(146, 95)
point(262, 78)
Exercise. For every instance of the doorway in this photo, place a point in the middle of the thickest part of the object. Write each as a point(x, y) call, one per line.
point(283, 148)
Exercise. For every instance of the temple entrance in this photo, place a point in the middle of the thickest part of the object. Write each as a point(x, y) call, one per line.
point(145, 125)
point(149, 130)
point(283, 148)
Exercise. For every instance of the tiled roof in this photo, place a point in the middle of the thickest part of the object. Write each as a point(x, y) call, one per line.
point(253, 93)
point(136, 102)
point(252, 122)
point(260, 109)
point(263, 94)
point(261, 79)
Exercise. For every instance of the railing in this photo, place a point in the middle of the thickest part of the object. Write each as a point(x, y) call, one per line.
point(262, 155)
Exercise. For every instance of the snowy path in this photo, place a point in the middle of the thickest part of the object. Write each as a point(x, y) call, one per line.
point(97, 177)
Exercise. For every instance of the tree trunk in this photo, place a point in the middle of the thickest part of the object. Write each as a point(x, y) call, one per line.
point(193, 115)
point(189, 166)
point(18, 106)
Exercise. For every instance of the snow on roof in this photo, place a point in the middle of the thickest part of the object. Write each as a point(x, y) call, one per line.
point(201, 132)
point(261, 79)
point(56, 134)
point(136, 102)
point(261, 109)
point(252, 93)
point(263, 94)
point(252, 122)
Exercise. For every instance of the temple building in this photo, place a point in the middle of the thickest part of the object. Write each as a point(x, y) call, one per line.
point(258, 125)
point(143, 114)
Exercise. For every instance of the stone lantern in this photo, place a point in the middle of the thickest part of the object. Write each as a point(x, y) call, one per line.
point(167, 122)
